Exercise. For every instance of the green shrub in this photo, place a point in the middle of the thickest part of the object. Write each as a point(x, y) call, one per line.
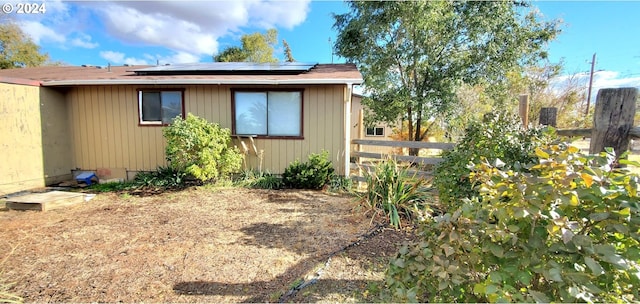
point(498, 136)
point(163, 177)
point(201, 149)
point(313, 174)
point(392, 191)
point(565, 231)
point(339, 183)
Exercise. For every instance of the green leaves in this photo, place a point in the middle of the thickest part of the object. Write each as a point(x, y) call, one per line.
point(499, 136)
point(414, 55)
point(256, 47)
point(17, 50)
point(563, 229)
point(200, 148)
point(313, 174)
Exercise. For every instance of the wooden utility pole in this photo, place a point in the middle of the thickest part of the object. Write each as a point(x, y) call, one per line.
point(523, 110)
point(593, 64)
point(613, 119)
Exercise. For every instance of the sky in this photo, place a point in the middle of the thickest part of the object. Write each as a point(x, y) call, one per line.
point(165, 32)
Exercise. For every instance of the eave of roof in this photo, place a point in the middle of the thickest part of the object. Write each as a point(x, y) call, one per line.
point(187, 81)
point(122, 75)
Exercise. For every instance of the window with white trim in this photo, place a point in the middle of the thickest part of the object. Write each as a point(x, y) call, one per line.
point(159, 107)
point(376, 131)
point(268, 113)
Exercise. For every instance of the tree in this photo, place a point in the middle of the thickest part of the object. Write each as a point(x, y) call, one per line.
point(256, 47)
point(232, 54)
point(17, 49)
point(414, 54)
point(287, 52)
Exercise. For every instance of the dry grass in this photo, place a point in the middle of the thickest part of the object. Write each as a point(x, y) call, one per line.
point(234, 245)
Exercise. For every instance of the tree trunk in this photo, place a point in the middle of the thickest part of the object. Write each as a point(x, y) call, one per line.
point(612, 120)
point(416, 137)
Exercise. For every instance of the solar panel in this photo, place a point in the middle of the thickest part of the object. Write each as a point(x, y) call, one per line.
point(240, 68)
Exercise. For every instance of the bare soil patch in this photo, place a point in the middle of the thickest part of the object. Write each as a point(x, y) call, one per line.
point(195, 245)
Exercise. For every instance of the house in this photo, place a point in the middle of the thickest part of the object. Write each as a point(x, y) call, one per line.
point(380, 131)
point(62, 119)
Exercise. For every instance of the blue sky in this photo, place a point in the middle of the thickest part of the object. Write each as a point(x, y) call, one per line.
point(146, 32)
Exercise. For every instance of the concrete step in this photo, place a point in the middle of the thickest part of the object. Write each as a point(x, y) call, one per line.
point(44, 201)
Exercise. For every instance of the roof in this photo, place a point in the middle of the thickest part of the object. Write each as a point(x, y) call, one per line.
point(218, 68)
point(115, 75)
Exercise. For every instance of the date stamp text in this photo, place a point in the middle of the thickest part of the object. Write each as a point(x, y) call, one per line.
point(33, 8)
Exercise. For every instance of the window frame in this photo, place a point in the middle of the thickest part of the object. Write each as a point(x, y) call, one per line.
point(140, 91)
point(266, 91)
point(366, 131)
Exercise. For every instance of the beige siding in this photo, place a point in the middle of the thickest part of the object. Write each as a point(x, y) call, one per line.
point(105, 133)
point(359, 132)
point(21, 164)
point(56, 140)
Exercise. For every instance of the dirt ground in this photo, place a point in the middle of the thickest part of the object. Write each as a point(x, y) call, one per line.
point(197, 245)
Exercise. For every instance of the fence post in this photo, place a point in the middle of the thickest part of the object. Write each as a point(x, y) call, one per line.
point(612, 119)
point(361, 132)
point(548, 116)
point(523, 110)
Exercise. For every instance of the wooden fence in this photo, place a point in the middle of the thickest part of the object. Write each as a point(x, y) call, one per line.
point(612, 127)
point(359, 155)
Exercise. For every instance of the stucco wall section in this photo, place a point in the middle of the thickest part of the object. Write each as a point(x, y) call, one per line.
point(56, 139)
point(21, 162)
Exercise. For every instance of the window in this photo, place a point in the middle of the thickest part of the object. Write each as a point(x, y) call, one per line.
point(377, 131)
point(159, 107)
point(268, 113)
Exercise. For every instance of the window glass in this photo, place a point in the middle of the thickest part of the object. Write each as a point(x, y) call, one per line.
point(171, 106)
point(284, 113)
point(159, 107)
point(377, 131)
point(270, 113)
point(151, 106)
point(251, 113)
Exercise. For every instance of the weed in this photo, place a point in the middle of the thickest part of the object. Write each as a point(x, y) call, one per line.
point(392, 191)
point(259, 180)
point(338, 183)
point(112, 187)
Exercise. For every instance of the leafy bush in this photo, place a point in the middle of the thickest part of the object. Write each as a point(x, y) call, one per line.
point(498, 136)
point(200, 148)
point(566, 231)
point(163, 177)
point(392, 191)
point(338, 183)
point(313, 174)
point(260, 180)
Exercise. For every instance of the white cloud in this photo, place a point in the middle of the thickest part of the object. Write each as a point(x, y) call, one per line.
point(120, 58)
point(601, 80)
point(148, 59)
point(84, 41)
point(610, 79)
point(113, 57)
point(287, 14)
point(39, 33)
point(195, 26)
point(190, 30)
